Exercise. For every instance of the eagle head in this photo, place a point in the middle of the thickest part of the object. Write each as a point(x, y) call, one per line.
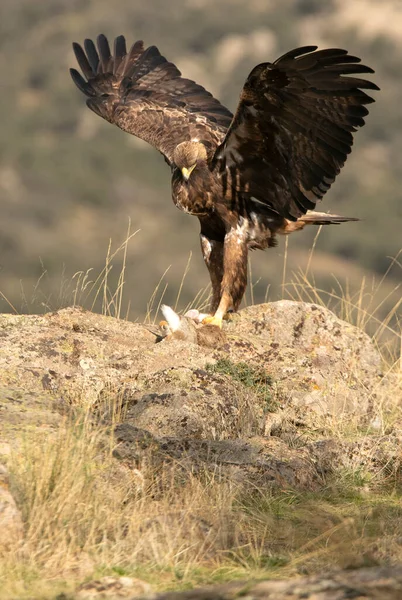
point(187, 155)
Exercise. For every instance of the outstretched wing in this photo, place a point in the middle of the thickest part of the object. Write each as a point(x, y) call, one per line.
point(293, 128)
point(144, 94)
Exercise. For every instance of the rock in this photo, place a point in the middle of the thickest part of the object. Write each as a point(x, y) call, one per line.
point(318, 362)
point(112, 588)
point(197, 403)
point(321, 364)
point(68, 351)
point(373, 454)
point(257, 462)
point(11, 526)
point(75, 352)
point(201, 405)
point(364, 584)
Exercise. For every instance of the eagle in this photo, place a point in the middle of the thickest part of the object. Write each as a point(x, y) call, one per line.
point(249, 176)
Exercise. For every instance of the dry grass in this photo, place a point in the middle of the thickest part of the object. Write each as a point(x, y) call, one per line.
point(87, 515)
point(85, 512)
point(200, 301)
point(87, 292)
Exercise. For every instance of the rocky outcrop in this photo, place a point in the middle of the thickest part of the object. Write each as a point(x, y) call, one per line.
point(323, 365)
point(257, 462)
point(364, 584)
point(112, 588)
point(318, 364)
point(284, 368)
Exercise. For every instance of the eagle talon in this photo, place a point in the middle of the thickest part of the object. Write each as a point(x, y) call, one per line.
point(164, 329)
point(211, 320)
point(230, 316)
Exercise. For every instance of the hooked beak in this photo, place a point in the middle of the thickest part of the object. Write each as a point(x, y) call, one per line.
point(187, 172)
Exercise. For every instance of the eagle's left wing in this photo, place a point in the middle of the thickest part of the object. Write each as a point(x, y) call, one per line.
point(144, 94)
point(293, 128)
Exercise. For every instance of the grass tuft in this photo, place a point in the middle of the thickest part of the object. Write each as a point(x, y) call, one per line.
point(253, 378)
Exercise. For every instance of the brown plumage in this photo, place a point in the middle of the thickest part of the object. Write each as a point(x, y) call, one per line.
point(246, 177)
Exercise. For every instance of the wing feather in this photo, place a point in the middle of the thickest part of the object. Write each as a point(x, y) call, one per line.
point(293, 128)
point(144, 94)
point(92, 55)
point(105, 55)
point(82, 60)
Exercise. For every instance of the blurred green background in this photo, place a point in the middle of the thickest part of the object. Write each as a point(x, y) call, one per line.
point(69, 181)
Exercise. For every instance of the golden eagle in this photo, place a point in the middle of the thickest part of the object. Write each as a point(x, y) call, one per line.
point(246, 177)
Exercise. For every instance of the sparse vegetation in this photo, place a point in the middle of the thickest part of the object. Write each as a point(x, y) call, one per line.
point(87, 516)
point(255, 379)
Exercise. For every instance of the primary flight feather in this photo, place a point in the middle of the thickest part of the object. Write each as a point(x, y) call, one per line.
point(246, 177)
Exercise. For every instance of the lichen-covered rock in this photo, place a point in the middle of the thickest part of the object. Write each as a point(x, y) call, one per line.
point(321, 364)
point(195, 403)
point(365, 584)
point(80, 353)
point(112, 588)
point(372, 454)
point(283, 367)
point(257, 462)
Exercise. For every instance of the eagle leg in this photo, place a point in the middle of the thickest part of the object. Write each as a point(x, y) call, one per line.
point(212, 251)
point(234, 280)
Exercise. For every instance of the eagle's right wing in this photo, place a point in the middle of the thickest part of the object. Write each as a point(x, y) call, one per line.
point(144, 94)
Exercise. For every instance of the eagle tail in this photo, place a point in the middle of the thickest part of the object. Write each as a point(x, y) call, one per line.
point(314, 218)
point(320, 218)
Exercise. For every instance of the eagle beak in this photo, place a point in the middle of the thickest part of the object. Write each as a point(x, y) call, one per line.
point(187, 172)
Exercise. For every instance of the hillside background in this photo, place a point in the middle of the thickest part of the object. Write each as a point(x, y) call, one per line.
point(70, 182)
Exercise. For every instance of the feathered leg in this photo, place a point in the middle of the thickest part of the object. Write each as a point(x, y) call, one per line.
point(234, 280)
point(212, 252)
